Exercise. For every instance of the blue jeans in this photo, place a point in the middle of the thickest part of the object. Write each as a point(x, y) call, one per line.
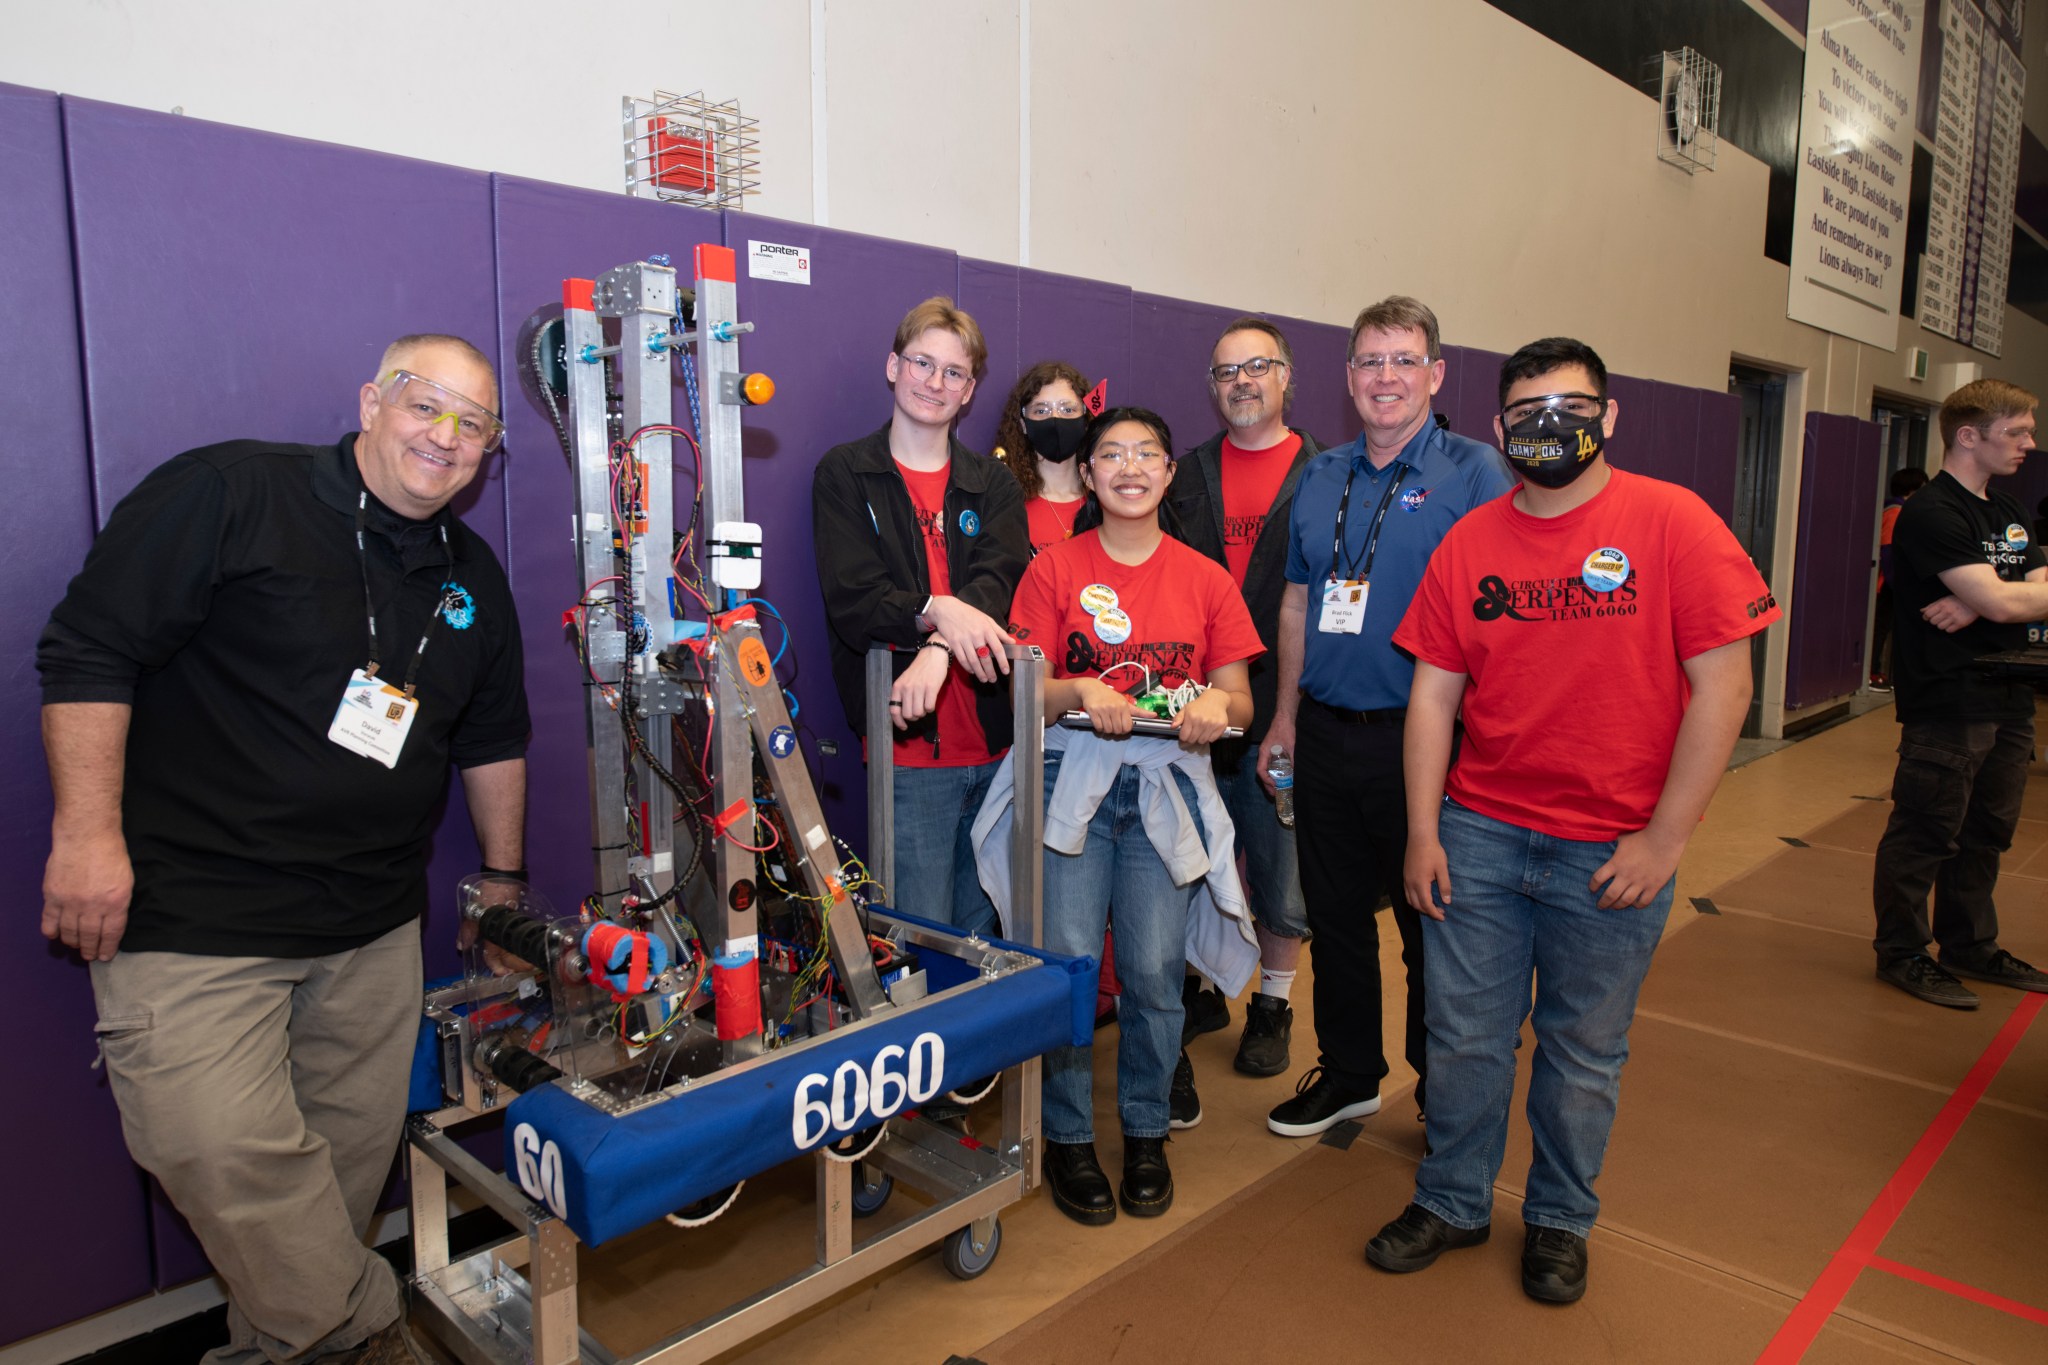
point(1272, 876)
point(935, 874)
point(1520, 907)
point(1118, 865)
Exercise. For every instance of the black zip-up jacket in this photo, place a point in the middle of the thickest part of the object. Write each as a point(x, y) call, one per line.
point(1195, 499)
point(872, 573)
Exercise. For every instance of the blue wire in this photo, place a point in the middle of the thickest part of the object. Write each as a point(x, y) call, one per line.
point(769, 607)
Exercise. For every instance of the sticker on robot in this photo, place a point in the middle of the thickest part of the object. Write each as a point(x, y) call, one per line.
point(774, 261)
point(782, 741)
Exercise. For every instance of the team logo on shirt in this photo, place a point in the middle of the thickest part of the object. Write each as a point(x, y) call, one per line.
point(458, 606)
point(1553, 599)
point(1168, 662)
point(1411, 501)
point(1243, 530)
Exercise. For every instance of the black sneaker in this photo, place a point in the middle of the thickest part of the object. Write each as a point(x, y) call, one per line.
point(1320, 1104)
point(1183, 1105)
point(1554, 1265)
point(1415, 1239)
point(1268, 1023)
point(1921, 977)
point(1203, 1009)
point(2001, 969)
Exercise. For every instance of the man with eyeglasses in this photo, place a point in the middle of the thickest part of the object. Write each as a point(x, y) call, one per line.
point(1231, 500)
point(920, 543)
point(1591, 633)
point(1366, 518)
point(251, 696)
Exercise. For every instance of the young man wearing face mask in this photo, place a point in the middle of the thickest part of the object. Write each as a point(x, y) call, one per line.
point(1590, 591)
point(1231, 500)
point(1366, 517)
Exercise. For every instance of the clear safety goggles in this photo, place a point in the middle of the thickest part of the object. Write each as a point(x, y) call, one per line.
point(431, 404)
point(1578, 406)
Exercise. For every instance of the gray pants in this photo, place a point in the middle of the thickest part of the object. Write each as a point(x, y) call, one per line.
point(267, 1096)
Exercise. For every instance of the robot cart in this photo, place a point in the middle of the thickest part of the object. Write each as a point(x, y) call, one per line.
point(654, 1052)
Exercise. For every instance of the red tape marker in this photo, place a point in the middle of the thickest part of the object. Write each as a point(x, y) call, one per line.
point(1860, 1249)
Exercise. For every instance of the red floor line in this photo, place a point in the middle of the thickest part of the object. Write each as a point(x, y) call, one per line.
point(1961, 1290)
point(1812, 1312)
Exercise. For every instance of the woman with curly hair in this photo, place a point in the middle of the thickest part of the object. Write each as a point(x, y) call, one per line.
point(1040, 431)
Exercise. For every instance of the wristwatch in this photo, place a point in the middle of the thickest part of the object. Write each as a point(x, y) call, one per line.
point(922, 621)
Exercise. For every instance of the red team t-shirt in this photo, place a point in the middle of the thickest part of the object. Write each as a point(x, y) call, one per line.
point(961, 741)
point(1049, 522)
point(1251, 480)
point(1178, 614)
point(1571, 631)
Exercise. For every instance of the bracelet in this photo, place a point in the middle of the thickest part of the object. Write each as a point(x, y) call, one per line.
point(505, 873)
point(935, 644)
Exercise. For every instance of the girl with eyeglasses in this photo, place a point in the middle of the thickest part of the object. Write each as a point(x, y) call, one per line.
point(1038, 437)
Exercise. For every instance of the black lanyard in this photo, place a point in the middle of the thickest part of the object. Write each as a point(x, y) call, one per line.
point(412, 671)
point(1354, 570)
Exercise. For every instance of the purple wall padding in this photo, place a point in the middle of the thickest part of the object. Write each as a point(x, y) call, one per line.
point(252, 298)
point(546, 234)
point(1085, 322)
point(1673, 436)
point(1172, 340)
point(1475, 374)
point(1322, 401)
point(1831, 585)
point(988, 291)
point(825, 344)
point(1719, 449)
point(84, 1243)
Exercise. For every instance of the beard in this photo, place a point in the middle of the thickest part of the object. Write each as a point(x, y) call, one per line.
point(1243, 415)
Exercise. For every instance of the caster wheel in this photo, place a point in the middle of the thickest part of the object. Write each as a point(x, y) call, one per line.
point(963, 1259)
point(871, 1190)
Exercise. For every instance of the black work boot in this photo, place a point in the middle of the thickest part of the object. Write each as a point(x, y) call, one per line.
point(1147, 1189)
point(1080, 1188)
point(1268, 1023)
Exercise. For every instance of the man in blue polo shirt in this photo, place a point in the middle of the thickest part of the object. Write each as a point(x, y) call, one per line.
point(1365, 521)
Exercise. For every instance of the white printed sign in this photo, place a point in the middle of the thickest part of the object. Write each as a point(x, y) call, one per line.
point(774, 261)
point(1855, 167)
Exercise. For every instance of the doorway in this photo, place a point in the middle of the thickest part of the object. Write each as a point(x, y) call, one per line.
point(1762, 393)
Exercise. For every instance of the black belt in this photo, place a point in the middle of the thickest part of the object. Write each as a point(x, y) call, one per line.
point(1392, 715)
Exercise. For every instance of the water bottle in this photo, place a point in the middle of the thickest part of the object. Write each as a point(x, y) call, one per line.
point(1280, 767)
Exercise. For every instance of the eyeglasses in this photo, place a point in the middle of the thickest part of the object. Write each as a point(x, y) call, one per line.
point(1405, 362)
point(1134, 457)
point(922, 367)
point(431, 404)
point(1256, 367)
point(1583, 406)
point(1038, 412)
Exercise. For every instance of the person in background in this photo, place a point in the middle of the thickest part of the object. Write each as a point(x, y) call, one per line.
point(1904, 484)
point(1967, 578)
point(1037, 438)
point(919, 543)
point(1231, 499)
point(1124, 612)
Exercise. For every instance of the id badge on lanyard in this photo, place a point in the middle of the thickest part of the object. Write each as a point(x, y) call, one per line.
point(1343, 606)
point(373, 719)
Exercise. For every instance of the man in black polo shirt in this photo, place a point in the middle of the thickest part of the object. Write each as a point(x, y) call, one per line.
point(251, 696)
point(1966, 578)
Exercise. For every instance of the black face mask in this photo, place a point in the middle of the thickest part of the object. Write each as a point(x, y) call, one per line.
point(1055, 438)
point(1551, 448)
